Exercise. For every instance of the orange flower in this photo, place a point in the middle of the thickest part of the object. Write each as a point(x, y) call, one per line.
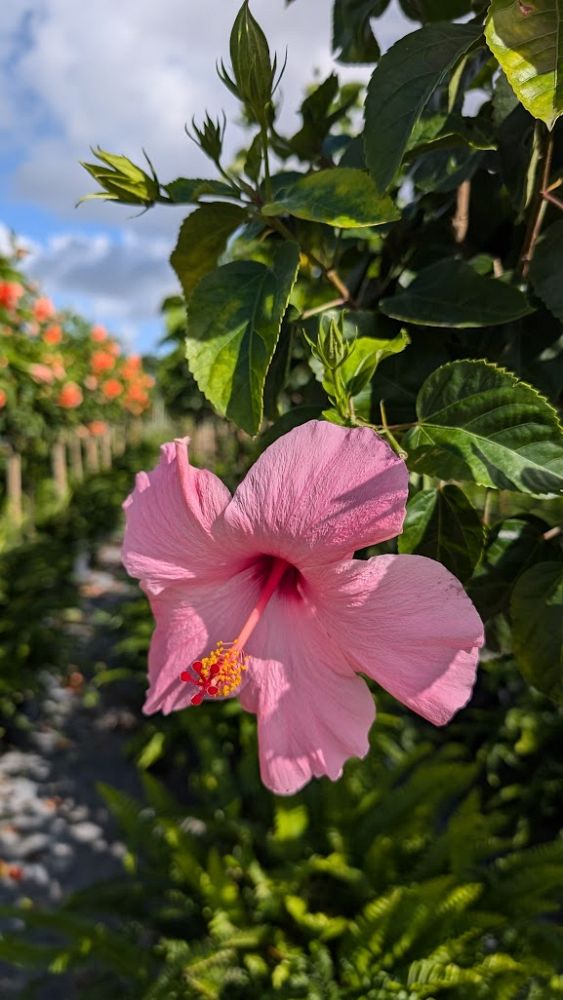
point(114, 348)
point(112, 388)
point(3, 399)
point(91, 382)
point(53, 334)
point(102, 361)
point(70, 396)
point(136, 392)
point(10, 294)
point(98, 333)
point(43, 309)
point(97, 427)
point(131, 366)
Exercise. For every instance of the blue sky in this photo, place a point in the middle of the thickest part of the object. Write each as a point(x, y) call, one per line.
point(125, 75)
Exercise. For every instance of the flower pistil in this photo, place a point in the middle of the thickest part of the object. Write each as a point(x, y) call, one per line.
point(220, 673)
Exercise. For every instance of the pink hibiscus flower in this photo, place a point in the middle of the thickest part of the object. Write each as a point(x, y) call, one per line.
point(258, 595)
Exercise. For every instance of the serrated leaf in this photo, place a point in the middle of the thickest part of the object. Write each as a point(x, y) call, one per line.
point(202, 239)
point(546, 269)
point(401, 86)
point(536, 610)
point(527, 39)
point(442, 525)
point(188, 191)
point(366, 353)
point(234, 321)
point(478, 422)
point(343, 197)
point(451, 293)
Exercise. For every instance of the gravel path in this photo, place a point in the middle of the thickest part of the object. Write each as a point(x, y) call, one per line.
point(56, 835)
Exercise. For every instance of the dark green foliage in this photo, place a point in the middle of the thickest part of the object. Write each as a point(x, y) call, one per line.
point(416, 875)
point(37, 590)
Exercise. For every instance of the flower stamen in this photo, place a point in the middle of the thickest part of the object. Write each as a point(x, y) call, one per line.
point(220, 673)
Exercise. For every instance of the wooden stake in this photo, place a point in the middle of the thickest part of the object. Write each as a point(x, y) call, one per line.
point(75, 451)
point(105, 449)
point(58, 460)
point(92, 458)
point(14, 486)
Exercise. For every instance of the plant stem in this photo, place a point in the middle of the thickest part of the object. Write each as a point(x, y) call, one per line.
point(328, 272)
point(387, 431)
point(539, 205)
point(460, 221)
point(266, 161)
point(333, 304)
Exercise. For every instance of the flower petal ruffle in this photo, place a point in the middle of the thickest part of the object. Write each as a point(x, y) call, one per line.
point(318, 494)
point(170, 517)
point(313, 712)
point(406, 622)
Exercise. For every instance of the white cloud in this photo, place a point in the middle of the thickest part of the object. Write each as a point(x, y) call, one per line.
point(132, 73)
point(126, 74)
point(119, 281)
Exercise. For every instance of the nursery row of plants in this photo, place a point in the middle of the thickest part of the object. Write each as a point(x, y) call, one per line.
point(68, 393)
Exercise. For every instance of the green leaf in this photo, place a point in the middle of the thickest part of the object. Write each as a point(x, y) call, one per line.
point(527, 39)
point(536, 609)
point(353, 40)
point(188, 191)
point(365, 355)
point(478, 422)
point(342, 197)
point(234, 321)
point(451, 293)
point(202, 239)
point(546, 269)
point(435, 10)
point(401, 86)
point(443, 525)
point(514, 544)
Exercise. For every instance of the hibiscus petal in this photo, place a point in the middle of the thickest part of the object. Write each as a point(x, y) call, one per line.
point(313, 712)
point(318, 494)
point(409, 625)
point(169, 520)
point(190, 620)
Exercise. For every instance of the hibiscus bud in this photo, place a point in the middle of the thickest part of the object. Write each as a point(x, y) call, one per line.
point(332, 345)
point(253, 72)
point(209, 137)
point(121, 180)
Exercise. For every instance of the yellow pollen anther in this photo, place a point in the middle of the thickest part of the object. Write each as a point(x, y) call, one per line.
point(222, 669)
